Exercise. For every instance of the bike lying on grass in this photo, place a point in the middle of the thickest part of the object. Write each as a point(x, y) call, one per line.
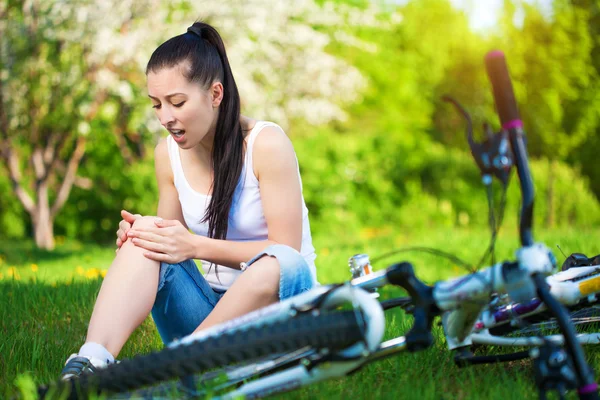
point(316, 340)
point(231, 377)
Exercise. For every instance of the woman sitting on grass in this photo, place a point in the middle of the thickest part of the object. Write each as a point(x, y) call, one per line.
point(231, 180)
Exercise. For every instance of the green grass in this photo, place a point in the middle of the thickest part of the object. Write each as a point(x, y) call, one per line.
point(44, 311)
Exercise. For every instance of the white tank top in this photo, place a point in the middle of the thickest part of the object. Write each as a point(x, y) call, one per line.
point(246, 218)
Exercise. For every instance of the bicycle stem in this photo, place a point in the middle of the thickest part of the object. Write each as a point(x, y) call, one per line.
point(425, 308)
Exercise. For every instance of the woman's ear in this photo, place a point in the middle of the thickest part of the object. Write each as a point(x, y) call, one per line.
point(216, 93)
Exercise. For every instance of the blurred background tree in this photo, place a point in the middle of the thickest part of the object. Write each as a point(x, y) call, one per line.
point(355, 83)
point(557, 83)
point(585, 154)
point(59, 83)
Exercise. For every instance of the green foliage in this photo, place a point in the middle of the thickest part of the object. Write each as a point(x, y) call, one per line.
point(574, 202)
point(352, 187)
point(12, 216)
point(400, 159)
point(94, 214)
point(586, 153)
point(555, 81)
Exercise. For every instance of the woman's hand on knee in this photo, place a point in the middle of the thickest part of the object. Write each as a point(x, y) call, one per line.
point(164, 240)
point(125, 226)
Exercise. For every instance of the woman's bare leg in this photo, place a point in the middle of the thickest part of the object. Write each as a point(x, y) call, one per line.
point(126, 296)
point(257, 287)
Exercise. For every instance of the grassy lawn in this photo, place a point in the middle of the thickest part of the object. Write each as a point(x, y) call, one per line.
point(46, 300)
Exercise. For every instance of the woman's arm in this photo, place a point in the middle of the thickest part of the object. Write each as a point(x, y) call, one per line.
point(168, 200)
point(169, 207)
point(276, 168)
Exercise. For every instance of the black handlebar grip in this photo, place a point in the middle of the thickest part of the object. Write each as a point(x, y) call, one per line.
point(504, 96)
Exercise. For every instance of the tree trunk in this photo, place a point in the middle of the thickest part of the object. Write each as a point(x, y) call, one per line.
point(43, 223)
point(550, 194)
point(44, 233)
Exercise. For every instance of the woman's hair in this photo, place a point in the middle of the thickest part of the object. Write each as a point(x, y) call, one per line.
point(202, 48)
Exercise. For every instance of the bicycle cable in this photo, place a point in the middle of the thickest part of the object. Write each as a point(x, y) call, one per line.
point(495, 225)
point(431, 250)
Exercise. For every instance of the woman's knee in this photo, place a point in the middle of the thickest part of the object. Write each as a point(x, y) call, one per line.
point(287, 269)
point(144, 222)
point(264, 276)
point(131, 255)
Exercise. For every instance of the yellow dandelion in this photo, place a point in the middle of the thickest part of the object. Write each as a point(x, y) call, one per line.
point(53, 284)
point(325, 251)
point(13, 273)
point(92, 273)
point(34, 267)
point(103, 273)
point(1, 275)
point(80, 270)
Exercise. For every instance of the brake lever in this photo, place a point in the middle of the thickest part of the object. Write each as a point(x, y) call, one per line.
point(493, 155)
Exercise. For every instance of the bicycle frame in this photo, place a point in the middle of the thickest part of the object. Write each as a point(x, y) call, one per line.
point(308, 368)
point(561, 287)
point(444, 296)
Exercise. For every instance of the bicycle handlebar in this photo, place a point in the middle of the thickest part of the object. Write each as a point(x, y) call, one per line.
point(461, 300)
point(511, 121)
point(503, 91)
point(509, 118)
point(520, 279)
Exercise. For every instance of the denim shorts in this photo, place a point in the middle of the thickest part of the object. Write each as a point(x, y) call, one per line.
point(184, 298)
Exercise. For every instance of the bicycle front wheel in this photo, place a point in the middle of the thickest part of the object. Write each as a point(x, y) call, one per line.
point(332, 331)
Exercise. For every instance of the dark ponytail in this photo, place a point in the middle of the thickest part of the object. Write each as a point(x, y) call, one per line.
point(203, 48)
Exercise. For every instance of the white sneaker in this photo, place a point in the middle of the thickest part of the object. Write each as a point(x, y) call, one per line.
point(77, 365)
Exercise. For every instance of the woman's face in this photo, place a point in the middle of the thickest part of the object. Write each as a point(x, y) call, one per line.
point(188, 111)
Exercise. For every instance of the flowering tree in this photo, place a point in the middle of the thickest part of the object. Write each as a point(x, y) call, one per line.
point(278, 55)
point(66, 65)
point(57, 76)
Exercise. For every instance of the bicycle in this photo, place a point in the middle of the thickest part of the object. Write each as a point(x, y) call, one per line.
point(223, 379)
point(336, 343)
